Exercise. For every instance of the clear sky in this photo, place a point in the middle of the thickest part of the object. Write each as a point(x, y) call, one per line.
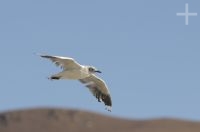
point(149, 58)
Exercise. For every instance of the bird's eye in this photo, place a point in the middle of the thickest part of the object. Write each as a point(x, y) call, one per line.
point(91, 69)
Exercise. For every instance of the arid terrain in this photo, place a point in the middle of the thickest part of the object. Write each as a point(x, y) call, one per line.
point(60, 120)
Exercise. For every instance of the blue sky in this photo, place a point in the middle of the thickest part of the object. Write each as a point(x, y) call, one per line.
point(149, 58)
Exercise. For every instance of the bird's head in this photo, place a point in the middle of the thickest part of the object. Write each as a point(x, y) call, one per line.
point(92, 69)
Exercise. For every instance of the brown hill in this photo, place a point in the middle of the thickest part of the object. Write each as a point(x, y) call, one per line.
point(54, 120)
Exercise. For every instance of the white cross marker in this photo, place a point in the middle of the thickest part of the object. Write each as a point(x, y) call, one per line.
point(186, 14)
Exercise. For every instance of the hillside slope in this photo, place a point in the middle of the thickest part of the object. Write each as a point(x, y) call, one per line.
point(59, 120)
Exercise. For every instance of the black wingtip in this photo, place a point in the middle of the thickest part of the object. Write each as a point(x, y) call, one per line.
point(42, 55)
point(54, 78)
point(107, 100)
point(45, 56)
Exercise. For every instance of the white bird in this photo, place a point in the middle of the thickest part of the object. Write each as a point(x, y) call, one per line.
point(85, 74)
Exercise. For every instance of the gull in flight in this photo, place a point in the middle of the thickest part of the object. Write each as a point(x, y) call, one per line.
point(85, 74)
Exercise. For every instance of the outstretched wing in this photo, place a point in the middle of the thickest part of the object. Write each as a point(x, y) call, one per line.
point(64, 62)
point(99, 89)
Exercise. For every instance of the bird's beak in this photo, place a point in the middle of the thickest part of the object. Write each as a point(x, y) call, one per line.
point(98, 71)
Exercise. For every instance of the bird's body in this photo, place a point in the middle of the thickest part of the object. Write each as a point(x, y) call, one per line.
point(73, 74)
point(85, 74)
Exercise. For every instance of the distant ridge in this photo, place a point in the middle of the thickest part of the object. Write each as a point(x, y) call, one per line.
point(60, 120)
